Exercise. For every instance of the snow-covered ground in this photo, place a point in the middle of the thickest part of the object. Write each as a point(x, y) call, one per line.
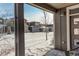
point(35, 44)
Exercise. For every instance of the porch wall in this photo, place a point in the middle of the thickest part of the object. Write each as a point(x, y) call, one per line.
point(60, 30)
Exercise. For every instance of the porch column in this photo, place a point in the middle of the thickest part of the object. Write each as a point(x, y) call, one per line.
point(19, 30)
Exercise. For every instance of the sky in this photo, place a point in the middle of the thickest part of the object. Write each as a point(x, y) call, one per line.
point(30, 13)
point(6, 10)
point(35, 14)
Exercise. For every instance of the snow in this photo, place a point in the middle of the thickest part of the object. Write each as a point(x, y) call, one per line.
point(35, 44)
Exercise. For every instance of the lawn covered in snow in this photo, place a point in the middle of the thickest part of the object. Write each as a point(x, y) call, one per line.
point(35, 44)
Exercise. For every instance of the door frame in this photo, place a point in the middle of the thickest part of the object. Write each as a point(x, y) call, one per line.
point(68, 23)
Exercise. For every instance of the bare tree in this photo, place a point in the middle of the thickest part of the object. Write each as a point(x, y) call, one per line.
point(46, 23)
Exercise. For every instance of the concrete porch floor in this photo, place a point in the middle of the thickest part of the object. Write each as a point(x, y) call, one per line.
point(54, 52)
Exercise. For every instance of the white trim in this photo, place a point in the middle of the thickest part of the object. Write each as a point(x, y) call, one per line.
point(68, 24)
point(74, 14)
point(68, 31)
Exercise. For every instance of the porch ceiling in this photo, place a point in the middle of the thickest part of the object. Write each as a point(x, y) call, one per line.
point(60, 5)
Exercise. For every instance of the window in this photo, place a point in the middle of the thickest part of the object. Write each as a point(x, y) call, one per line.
point(76, 21)
point(7, 25)
point(39, 30)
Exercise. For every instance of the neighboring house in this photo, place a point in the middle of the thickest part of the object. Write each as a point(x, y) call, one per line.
point(50, 27)
point(34, 29)
point(1, 21)
point(11, 24)
point(2, 28)
point(33, 23)
point(26, 26)
point(37, 27)
point(42, 28)
point(34, 26)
